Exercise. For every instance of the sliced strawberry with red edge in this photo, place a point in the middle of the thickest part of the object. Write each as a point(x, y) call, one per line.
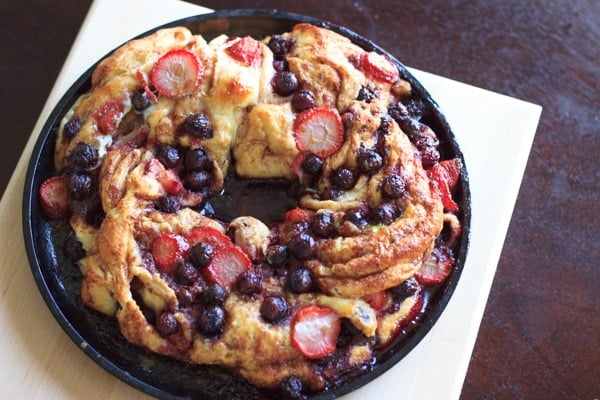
point(445, 175)
point(216, 239)
point(227, 265)
point(143, 77)
point(378, 67)
point(319, 130)
point(246, 50)
point(437, 267)
point(108, 115)
point(168, 251)
point(176, 73)
point(296, 215)
point(315, 331)
point(54, 197)
point(415, 309)
point(168, 178)
point(377, 301)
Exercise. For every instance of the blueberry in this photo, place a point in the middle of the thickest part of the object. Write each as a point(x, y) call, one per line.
point(406, 289)
point(140, 100)
point(279, 45)
point(291, 388)
point(214, 294)
point(168, 156)
point(166, 324)
point(300, 280)
point(74, 248)
point(369, 161)
point(201, 254)
point(196, 160)
point(342, 179)
point(277, 254)
point(186, 273)
point(285, 83)
point(197, 125)
point(312, 164)
point(273, 308)
point(393, 186)
point(196, 180)
point(303, 246)
point(82, 157)
point(211, 320)
point(81, 186)
point(303, 100)
point(72, 128)
point(323, 224)
point(249, 283)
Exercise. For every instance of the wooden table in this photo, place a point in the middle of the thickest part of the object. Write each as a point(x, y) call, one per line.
point(540, 334)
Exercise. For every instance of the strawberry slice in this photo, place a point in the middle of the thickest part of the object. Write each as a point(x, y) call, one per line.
point(227, 265)
point(168, 178)
point(108, 115)
point(319, 131)
point(445, 175)
point(168, 251)
point(436, 268)
point(297, 215)
point(143, 78)
point(315, 331)
point(176, 73)
point(377, 301)
point(54, 197)
point(378, 67)
point(216, 239)
point(246, 50)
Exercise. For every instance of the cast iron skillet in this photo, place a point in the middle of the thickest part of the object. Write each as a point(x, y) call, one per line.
point(99, 337)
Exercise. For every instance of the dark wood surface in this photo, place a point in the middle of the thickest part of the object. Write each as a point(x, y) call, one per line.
point(540, 335)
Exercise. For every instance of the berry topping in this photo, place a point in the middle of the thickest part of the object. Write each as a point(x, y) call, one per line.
point(378, 67)
point(273, 308)
point(384, 214)
point(166, 324)
point(279, 45)
point(303, 100)
point(108, 116)
point(285, 83)
point(211, 320)
point(168, 178)
point(196, 159)
point(246, 50)
point(367, 93)
point(196, 180)
point(201, 254)
point(297, 215)
point(186, 273)
point(168, 251)
point(167, 204)
point(377, 301)
point(214, 294)
point(211, 236)
point(276, 254)
point(303, 246)
point(82, 157)
point(71, 128)
point(227, 265)
point(342, 179)
point(249, 283)
point(74, 248)
point(315, 331)
point(80, 186)
point(405, 289)
point(168, 156)
point(393, 186)
point(319, 131)
point(436, 267)
point(312, 164)
point(356, 217)
point(141, 100)
point(290, 388)
point(323, 224)
point(445, 175)
point(54, 197)
point(176, 73)
point(369, 161)
point(197, 125)
point(300, 280)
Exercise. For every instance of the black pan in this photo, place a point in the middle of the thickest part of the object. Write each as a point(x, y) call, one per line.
point(99, 337)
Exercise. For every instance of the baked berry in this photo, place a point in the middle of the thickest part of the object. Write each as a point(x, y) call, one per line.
point(356, 217)
point(323, 225)
point(279, 45)
point(393, 186)
point(82, 157)
point(303, 100)
point(184, 295)
point(196, 159)
point(290, 388)
point(140, 100)
point(214, 294)
point(72, 128)
point(280, 65)
point(186, 273)
point(80, 186)
point(409, 126)
point(429, 157)
point(197, 125)
point(273, 308)
point(196, 180)
point(303, 246)
point(369, 161)
point(201, 254)
point(367, 94)
point(405, 289)
point(277, 254)
point(330, 194)
point(416, 108)
point(312, 164)
point(300, 280)
point(74, 248)
point(249, 283)
point(397, 111)
point(168, 156)
point(167, 204)
point(166, 324)
point(285, 83)
point(384, 214)
point(211, 320)
point(342, 179)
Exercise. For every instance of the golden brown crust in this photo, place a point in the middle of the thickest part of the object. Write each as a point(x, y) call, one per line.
point(253, 128)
